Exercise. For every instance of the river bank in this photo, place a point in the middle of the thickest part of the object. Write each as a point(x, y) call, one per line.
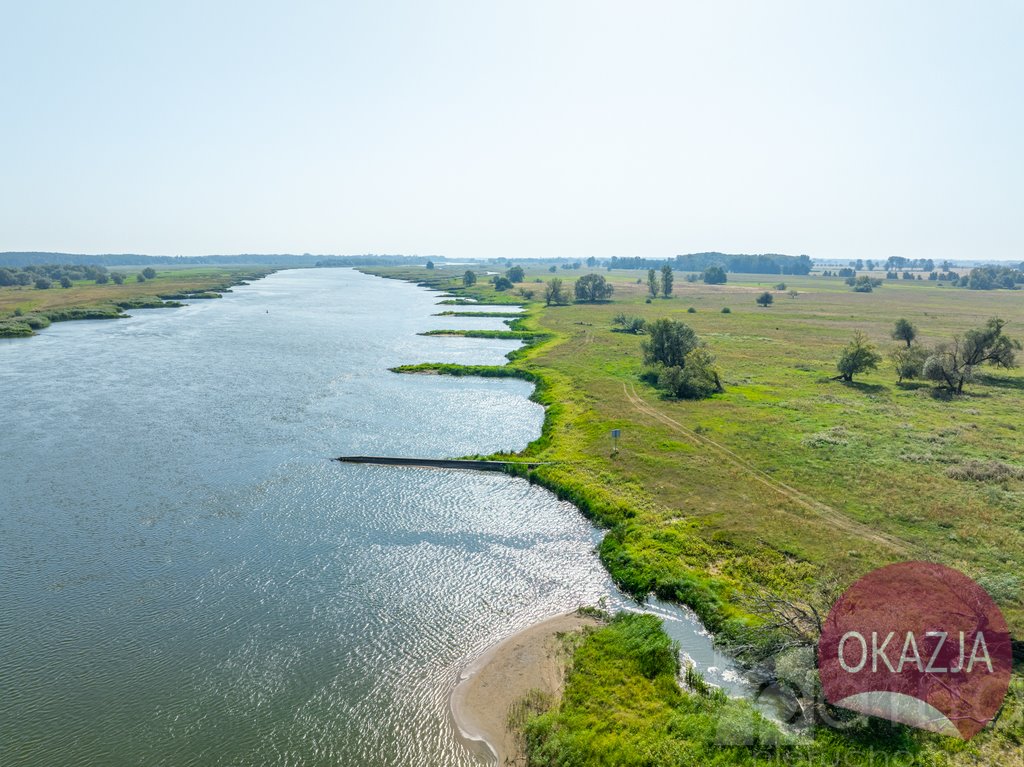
point(706, 502)
point(529, 662)
point(24, 309)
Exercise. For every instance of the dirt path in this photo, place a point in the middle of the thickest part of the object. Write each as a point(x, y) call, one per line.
point(834, 517)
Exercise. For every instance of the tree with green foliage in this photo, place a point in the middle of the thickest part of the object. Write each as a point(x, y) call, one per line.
point(140, 277)
point(714, 275)
point(668, 342)
point(65, 282)
point(652, 283)
point(117, 278)
point(696, 378)
point(859, 356)
point(43, 284)
point(904, 331)
point(150, 273)
point(553, 292)
point(430, 264)
point(515, 274)
point(909, 361)
point(955, 364)
point(765, 299)
point(552, 268)
point(591, 288)
point(863, 283)
point(666, 280)
point(469, 278)
point(102, 279)
point(501, 283)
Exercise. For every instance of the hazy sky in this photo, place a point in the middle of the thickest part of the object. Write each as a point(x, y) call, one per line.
point(475, 129)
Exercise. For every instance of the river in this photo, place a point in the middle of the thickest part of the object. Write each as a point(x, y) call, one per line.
point(187, 579)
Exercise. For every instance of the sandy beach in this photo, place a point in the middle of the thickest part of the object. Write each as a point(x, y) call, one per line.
point(531, 659)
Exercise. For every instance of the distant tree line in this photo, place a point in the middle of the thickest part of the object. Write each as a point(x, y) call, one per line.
point(992, 278)
point(45, 276)
point(26, 258)
point(767, 263)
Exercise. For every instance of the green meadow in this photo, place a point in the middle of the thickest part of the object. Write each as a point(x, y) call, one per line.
point(789, 479)
point(26, 308)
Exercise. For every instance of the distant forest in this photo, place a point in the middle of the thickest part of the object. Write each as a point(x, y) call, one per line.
point(765, 263)
point(11, 258)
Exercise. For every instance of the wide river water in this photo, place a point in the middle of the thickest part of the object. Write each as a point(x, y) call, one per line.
point(187, 579)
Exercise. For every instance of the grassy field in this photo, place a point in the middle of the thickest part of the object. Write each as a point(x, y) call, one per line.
point(85, 299)
point(789, 477)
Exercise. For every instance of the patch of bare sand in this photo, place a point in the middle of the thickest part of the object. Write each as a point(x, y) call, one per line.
point(533, 659)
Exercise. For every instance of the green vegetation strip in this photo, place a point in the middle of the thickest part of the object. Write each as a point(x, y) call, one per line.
point(521, 335)
point(505, 315)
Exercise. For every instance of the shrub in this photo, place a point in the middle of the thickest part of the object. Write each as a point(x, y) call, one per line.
point(691, 310)
point(697, 378)
point(726, 310)
point(985, 471)
point(627, 324)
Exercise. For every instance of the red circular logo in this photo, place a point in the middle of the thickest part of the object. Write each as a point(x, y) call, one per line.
point(917, 643)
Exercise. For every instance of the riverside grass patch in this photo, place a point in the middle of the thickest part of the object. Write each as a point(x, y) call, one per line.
point(88, 301)
point(788, 476)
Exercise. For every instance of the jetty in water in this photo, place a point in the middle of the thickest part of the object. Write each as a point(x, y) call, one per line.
point(439, 463)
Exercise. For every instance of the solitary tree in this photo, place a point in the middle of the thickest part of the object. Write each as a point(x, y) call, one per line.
point(666, 280)
point(43, 284)
point(65, 282)
point(714, 275)
point(515, 274)
point(652, 283)
point(102, 279)
point(553, 293)
point(954, 364)
point(904, 331)
point(469, 278)
point(150, 273)
point(859, 356)
point(591, 288)
point(140, 277)
point(430, 264)
point(668, 342)
point(765, 299)
point(501, 283)
point(117, 277)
